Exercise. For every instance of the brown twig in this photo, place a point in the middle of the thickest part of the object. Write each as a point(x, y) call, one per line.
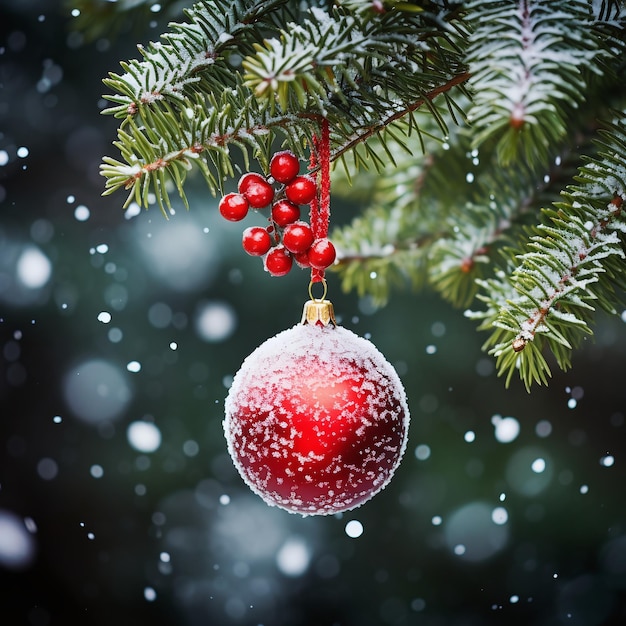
point(396, 115)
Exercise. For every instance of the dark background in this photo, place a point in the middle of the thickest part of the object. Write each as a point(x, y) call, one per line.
point(94, 530)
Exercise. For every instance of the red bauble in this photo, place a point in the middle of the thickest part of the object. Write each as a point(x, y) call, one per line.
point(278, 261)
point(284, 166)
point(285, 212)
point(316, 420)
point(233, 207)
point(256, 241)
point(256, 189)
point(298, 237)
point(301, 190)
point(321, 254)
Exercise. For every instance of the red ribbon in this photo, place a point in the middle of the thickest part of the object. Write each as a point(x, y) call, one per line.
point(320, 206)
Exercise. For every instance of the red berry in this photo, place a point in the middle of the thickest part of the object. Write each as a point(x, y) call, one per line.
point(256, 189)
point(302, 259)
point(301, 190)
point(234, 207)
point(284, 166)
point(298, 237)
point(321, 254)
point(278, 261)
point(256, 241)
point(285, 212)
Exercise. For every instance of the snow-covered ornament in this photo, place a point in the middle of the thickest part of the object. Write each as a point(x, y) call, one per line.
point(316, 418)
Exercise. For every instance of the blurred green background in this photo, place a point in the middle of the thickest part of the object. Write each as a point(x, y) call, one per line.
point(119, 335)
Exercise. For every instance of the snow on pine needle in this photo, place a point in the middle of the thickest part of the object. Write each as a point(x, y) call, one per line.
point(571, 263)
point(530, 63)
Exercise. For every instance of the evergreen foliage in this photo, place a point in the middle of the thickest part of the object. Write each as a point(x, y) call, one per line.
point(463, 122)
point(574, 258)
point(531, 65)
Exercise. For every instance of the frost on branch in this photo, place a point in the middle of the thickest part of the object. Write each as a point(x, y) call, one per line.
point(531, 63)
point(250, 73)
point(179, 64)
point(572, 262)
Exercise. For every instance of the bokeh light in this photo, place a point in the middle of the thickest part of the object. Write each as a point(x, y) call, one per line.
point(506, 428)
point(96, 390)
point(177, 252)
point(293, 557)
point(33, 268)
point(143, 436)
point(529, 471)
point(472, 533)
point(17, 543)
point(215, 321)
point(25, 271)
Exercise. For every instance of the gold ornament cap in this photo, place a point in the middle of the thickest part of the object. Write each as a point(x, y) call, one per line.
point(318, 311)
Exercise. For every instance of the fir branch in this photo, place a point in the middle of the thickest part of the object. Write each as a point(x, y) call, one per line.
point(385, 246)
point(162, 146)
point(454, 219)
point(574, 259)
point(375, 253)
point(192, 57)
point(389, 245)
point(482, 226)
point(390, 77)
point(464, 254)
point(168, 142)
point(399, 112)
point(298, 64)
point(179, 112)
point(354, 72)
point(530, 62)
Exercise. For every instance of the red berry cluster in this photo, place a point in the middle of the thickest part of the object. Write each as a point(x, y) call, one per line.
point(287, 238)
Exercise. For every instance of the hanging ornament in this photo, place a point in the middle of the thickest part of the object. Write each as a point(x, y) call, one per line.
point(316, 418)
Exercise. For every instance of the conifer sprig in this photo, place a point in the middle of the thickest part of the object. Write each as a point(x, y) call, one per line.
point(531, 63)
point(187, 102)
point(192, 57)
point(574, 260)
